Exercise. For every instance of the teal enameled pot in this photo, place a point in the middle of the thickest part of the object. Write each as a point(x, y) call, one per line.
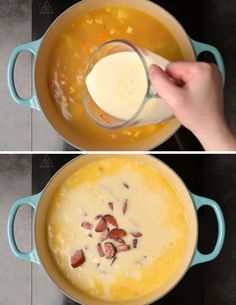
point(41, 49)
point(40, 253)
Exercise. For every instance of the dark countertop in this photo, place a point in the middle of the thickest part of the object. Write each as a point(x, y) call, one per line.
point(220, 184)
point(220, 30)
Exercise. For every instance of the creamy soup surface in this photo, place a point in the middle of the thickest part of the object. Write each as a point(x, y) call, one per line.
point(117, 229)
point(71, 54)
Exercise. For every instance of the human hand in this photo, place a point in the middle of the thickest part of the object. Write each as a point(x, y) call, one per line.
point(194, 91)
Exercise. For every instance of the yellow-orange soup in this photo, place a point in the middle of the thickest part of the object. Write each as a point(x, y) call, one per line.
point(71, 54)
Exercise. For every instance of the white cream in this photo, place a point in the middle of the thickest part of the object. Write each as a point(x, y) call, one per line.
point(118, 85)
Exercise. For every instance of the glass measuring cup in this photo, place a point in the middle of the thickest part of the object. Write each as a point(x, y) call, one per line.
point(151, 109)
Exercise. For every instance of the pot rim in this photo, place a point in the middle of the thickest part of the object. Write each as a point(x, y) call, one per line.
point(111, 155)
point(147, 148)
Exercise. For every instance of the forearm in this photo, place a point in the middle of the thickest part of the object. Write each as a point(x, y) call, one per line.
point(217, 138)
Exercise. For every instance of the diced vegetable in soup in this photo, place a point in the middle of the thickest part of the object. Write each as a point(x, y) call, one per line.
point(71, 55)
point(117, 229)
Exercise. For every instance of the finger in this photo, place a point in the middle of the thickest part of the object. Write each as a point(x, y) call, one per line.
point(181, 70)
point(164, 86)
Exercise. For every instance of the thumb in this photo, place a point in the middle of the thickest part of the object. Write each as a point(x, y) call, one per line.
point(163, 84)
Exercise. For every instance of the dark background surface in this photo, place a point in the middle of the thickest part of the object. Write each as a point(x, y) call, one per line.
point(211, 21)
point(212, 176)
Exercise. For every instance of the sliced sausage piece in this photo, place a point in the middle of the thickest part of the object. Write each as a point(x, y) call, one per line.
point(125, 206)
point(136, 234)
point(117, 233)
point(121, 241)
point(101, 225)
point(111, 220)
point(104, 234)
point(86, 225)
point(135, 243)
point(77, 259)
point(100, 249)
point(111, 205)
point(110, 250)
point(123, 248)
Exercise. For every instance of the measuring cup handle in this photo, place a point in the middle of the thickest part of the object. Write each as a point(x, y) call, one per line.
point(32, 47)
point(33, 202)
point(198, 256)
point(200, 47)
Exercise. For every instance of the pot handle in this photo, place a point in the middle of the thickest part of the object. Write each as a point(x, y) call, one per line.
point(200, 47)
point(33, 47)
point(33, 202)
point(198, 256)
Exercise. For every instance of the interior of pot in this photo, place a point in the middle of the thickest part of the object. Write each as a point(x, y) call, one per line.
point(41, 229)
point(42, 62)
